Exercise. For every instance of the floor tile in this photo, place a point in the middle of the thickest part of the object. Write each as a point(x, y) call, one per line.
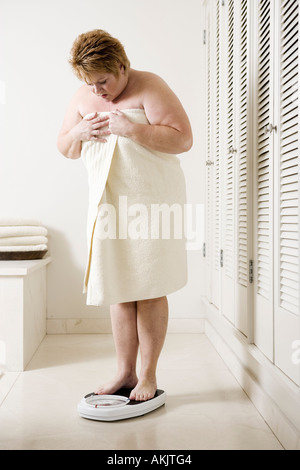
point(205, 408)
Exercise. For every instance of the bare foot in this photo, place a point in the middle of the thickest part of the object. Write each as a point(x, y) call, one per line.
point(145, 390)
point(120, 381)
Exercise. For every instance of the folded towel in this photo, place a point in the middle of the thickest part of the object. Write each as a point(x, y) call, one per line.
point(8, 249)
point(17, 241)
point(11, 221)
point(22, 230)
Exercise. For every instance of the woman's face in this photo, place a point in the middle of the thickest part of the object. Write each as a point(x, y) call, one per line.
point(106, 85)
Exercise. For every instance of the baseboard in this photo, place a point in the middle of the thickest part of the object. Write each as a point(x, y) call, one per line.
point(57, 326)
point(276, 397)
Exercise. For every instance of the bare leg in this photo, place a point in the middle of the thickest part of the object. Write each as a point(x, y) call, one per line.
point(152, 321)
point(124, 326)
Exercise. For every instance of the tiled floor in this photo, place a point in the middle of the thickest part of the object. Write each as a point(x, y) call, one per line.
point(205, 408)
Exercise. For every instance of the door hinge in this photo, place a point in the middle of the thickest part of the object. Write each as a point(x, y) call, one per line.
point(269, 128)
point(251, 271)
point(204, 250)
point(204, 36)
point(221, 258)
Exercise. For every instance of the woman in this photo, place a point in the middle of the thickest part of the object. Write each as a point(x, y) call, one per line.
point(126, 124)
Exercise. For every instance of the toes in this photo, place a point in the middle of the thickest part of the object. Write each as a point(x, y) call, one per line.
point(101, 391)
point(140, 396)
point(142, 392)
point(134, 396)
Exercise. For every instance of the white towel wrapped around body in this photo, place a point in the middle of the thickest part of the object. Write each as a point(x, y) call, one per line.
point(128, 268)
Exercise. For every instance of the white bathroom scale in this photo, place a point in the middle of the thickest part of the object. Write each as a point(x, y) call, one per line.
point(117, 406)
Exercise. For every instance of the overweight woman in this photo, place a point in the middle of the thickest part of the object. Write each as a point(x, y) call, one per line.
point(127, 126)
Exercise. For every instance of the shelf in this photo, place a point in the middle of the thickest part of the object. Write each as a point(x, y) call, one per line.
point(22, 268)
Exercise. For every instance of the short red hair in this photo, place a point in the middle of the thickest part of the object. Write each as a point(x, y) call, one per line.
point(97, 51)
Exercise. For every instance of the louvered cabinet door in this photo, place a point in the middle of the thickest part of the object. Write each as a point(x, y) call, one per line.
point(209, 175)
point(243, 181)
point(286, 195)
point(236, 177)
point(209, 162)
point(228, 154)
point(263, 180)
point(213, 153)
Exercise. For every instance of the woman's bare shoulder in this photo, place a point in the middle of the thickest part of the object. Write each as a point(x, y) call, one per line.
point(153, 87)
point(80, 93)
point(86, 102)
point(160, 103)
point(145, 78)
point(80, 96)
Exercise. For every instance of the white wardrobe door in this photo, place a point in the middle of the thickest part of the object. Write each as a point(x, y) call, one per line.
point(234, 166)
point(227, 181)
point(209, 176)
point(228, 154)
point(286, 302)
point(263, 204)
point(242, 157)
point(213, 162)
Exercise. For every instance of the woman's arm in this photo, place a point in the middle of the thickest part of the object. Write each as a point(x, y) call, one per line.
point(75, 130)
point(169, 130)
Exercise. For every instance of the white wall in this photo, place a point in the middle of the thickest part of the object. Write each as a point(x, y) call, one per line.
point(162, 36)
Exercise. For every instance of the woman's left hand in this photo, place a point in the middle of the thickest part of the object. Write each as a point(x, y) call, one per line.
point(119, 124)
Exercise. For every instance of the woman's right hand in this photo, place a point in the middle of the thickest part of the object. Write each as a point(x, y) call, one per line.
point(92, 128)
